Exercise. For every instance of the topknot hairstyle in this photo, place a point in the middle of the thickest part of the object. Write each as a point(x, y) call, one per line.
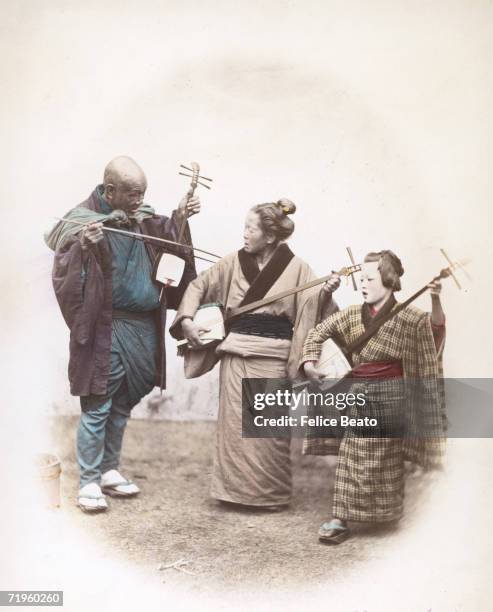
point(274, 219)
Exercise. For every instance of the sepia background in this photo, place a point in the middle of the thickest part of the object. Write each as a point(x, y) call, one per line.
point(374, 118)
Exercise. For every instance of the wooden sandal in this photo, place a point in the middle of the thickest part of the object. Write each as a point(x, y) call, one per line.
point(333, 533)
point(113, 490)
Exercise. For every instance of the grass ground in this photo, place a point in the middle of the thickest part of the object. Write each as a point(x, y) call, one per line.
point(175, 520)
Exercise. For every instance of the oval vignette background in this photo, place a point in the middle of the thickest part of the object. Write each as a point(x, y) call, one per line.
point(374, 120)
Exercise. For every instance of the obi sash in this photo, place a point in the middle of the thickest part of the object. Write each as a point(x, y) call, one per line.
point(263, 324)
point(378, 369)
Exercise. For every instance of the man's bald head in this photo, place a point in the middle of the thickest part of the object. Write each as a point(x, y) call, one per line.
point(124, 183)
point(122, 169)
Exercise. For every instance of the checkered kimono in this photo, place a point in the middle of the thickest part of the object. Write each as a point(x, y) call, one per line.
point(369, 484)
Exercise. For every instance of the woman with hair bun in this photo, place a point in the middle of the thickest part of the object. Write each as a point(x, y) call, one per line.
point(369, 481)
point(265, 343)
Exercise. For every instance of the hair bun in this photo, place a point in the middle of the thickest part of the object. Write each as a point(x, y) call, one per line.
point(287, 207)
point(396, 262)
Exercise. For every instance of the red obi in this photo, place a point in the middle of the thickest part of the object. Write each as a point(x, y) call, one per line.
point(378, 369)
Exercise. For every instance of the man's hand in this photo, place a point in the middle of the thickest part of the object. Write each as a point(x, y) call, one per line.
point(192, 332)
point(311, 372)
point(92, 234)
point(332, 284)
point(190, 204)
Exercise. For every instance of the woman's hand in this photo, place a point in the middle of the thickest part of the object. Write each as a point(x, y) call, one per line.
point(311, 372)
point(437, 314)
point(192, 332)
point(435, 288)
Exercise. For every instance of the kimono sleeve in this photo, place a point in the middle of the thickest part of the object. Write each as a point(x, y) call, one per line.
point(427, 351)
point(169, 231)
point(78, 281)
point(428, 375)
point(311, 306)
point(331, 327)
point(212, 285)
point(426, 442)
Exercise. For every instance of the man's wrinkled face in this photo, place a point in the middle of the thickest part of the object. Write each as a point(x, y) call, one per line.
point(374, 293)
point(126, 196)
point(254, 239)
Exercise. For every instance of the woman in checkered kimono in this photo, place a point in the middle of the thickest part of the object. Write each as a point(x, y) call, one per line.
point(369, 482)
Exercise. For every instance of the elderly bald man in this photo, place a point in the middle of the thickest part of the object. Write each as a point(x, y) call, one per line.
point(116, 314)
